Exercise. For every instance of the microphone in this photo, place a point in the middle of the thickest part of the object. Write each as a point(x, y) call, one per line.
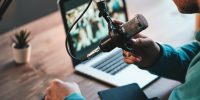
point(120, 36)
point(134, 26)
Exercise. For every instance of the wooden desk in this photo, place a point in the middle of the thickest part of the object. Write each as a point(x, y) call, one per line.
point(50, 60)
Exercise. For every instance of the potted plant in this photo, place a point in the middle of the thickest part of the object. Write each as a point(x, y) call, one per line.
point(21, 47)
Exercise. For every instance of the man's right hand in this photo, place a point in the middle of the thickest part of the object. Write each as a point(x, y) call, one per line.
point(145, 53)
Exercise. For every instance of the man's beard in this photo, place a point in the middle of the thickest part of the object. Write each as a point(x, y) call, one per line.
point(187, 6)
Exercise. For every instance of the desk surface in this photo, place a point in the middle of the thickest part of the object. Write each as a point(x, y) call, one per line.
point(50, 60)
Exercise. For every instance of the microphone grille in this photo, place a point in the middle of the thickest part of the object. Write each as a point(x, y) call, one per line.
point(135, 25)
point(142, 22)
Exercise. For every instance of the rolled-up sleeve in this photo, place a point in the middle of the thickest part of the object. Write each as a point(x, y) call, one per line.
point(173, 62)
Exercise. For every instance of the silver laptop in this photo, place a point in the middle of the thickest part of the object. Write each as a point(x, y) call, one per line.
point(86, 35)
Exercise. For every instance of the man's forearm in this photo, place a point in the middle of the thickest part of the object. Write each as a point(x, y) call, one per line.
point(173, 62)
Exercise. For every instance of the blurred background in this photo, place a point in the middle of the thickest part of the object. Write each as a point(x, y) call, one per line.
point(21, 12)
point(158, 13)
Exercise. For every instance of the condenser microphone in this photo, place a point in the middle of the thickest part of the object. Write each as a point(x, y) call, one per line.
point(121, 36)
point(134, 26)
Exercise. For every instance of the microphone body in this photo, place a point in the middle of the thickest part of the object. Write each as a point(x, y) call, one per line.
point(122, 36)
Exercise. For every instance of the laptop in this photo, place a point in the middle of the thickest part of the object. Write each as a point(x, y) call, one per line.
point(85, 36)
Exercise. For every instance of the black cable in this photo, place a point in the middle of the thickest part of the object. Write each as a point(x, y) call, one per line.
point(4, 7)
point(66, 42)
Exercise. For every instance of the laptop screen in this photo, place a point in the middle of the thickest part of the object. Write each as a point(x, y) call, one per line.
point(90, 29)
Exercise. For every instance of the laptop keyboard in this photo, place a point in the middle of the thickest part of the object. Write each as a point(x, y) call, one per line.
point(112, 64)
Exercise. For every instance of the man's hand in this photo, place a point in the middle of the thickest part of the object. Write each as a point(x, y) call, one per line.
point(58, 89)
point(145, 53)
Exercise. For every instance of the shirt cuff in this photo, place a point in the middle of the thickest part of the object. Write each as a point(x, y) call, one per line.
point(164, 50)
point(74, 96)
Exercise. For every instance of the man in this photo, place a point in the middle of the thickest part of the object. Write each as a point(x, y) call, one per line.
point(182, 64)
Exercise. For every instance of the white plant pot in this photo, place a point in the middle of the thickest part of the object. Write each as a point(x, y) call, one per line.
point(22, 55)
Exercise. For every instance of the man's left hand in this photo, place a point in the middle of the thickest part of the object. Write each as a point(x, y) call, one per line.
point(58, 90)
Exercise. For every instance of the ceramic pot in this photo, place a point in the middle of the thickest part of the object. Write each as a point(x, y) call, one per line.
point(22, 55)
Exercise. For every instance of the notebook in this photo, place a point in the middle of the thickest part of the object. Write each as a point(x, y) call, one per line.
point(127, 92)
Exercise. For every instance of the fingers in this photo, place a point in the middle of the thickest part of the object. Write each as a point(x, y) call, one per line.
point(60, 89)
point(135, 36)
point(57, 82)
point(131, 58)
point(52, 87)
point(126, 53)
point(142, 42)
point(139, 35)
point(47, 97)
point(47, 93)
point(118, 22)
point(138, 42)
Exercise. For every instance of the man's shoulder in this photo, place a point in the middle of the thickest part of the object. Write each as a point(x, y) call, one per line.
point(190, 89)
point(195, 63)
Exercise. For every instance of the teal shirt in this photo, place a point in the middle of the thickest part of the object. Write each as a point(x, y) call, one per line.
point(182, 64)
point(75, 96)
point(174, 63)
point(190, 89)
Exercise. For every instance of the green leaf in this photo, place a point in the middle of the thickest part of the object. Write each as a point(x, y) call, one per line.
point(21, 39)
